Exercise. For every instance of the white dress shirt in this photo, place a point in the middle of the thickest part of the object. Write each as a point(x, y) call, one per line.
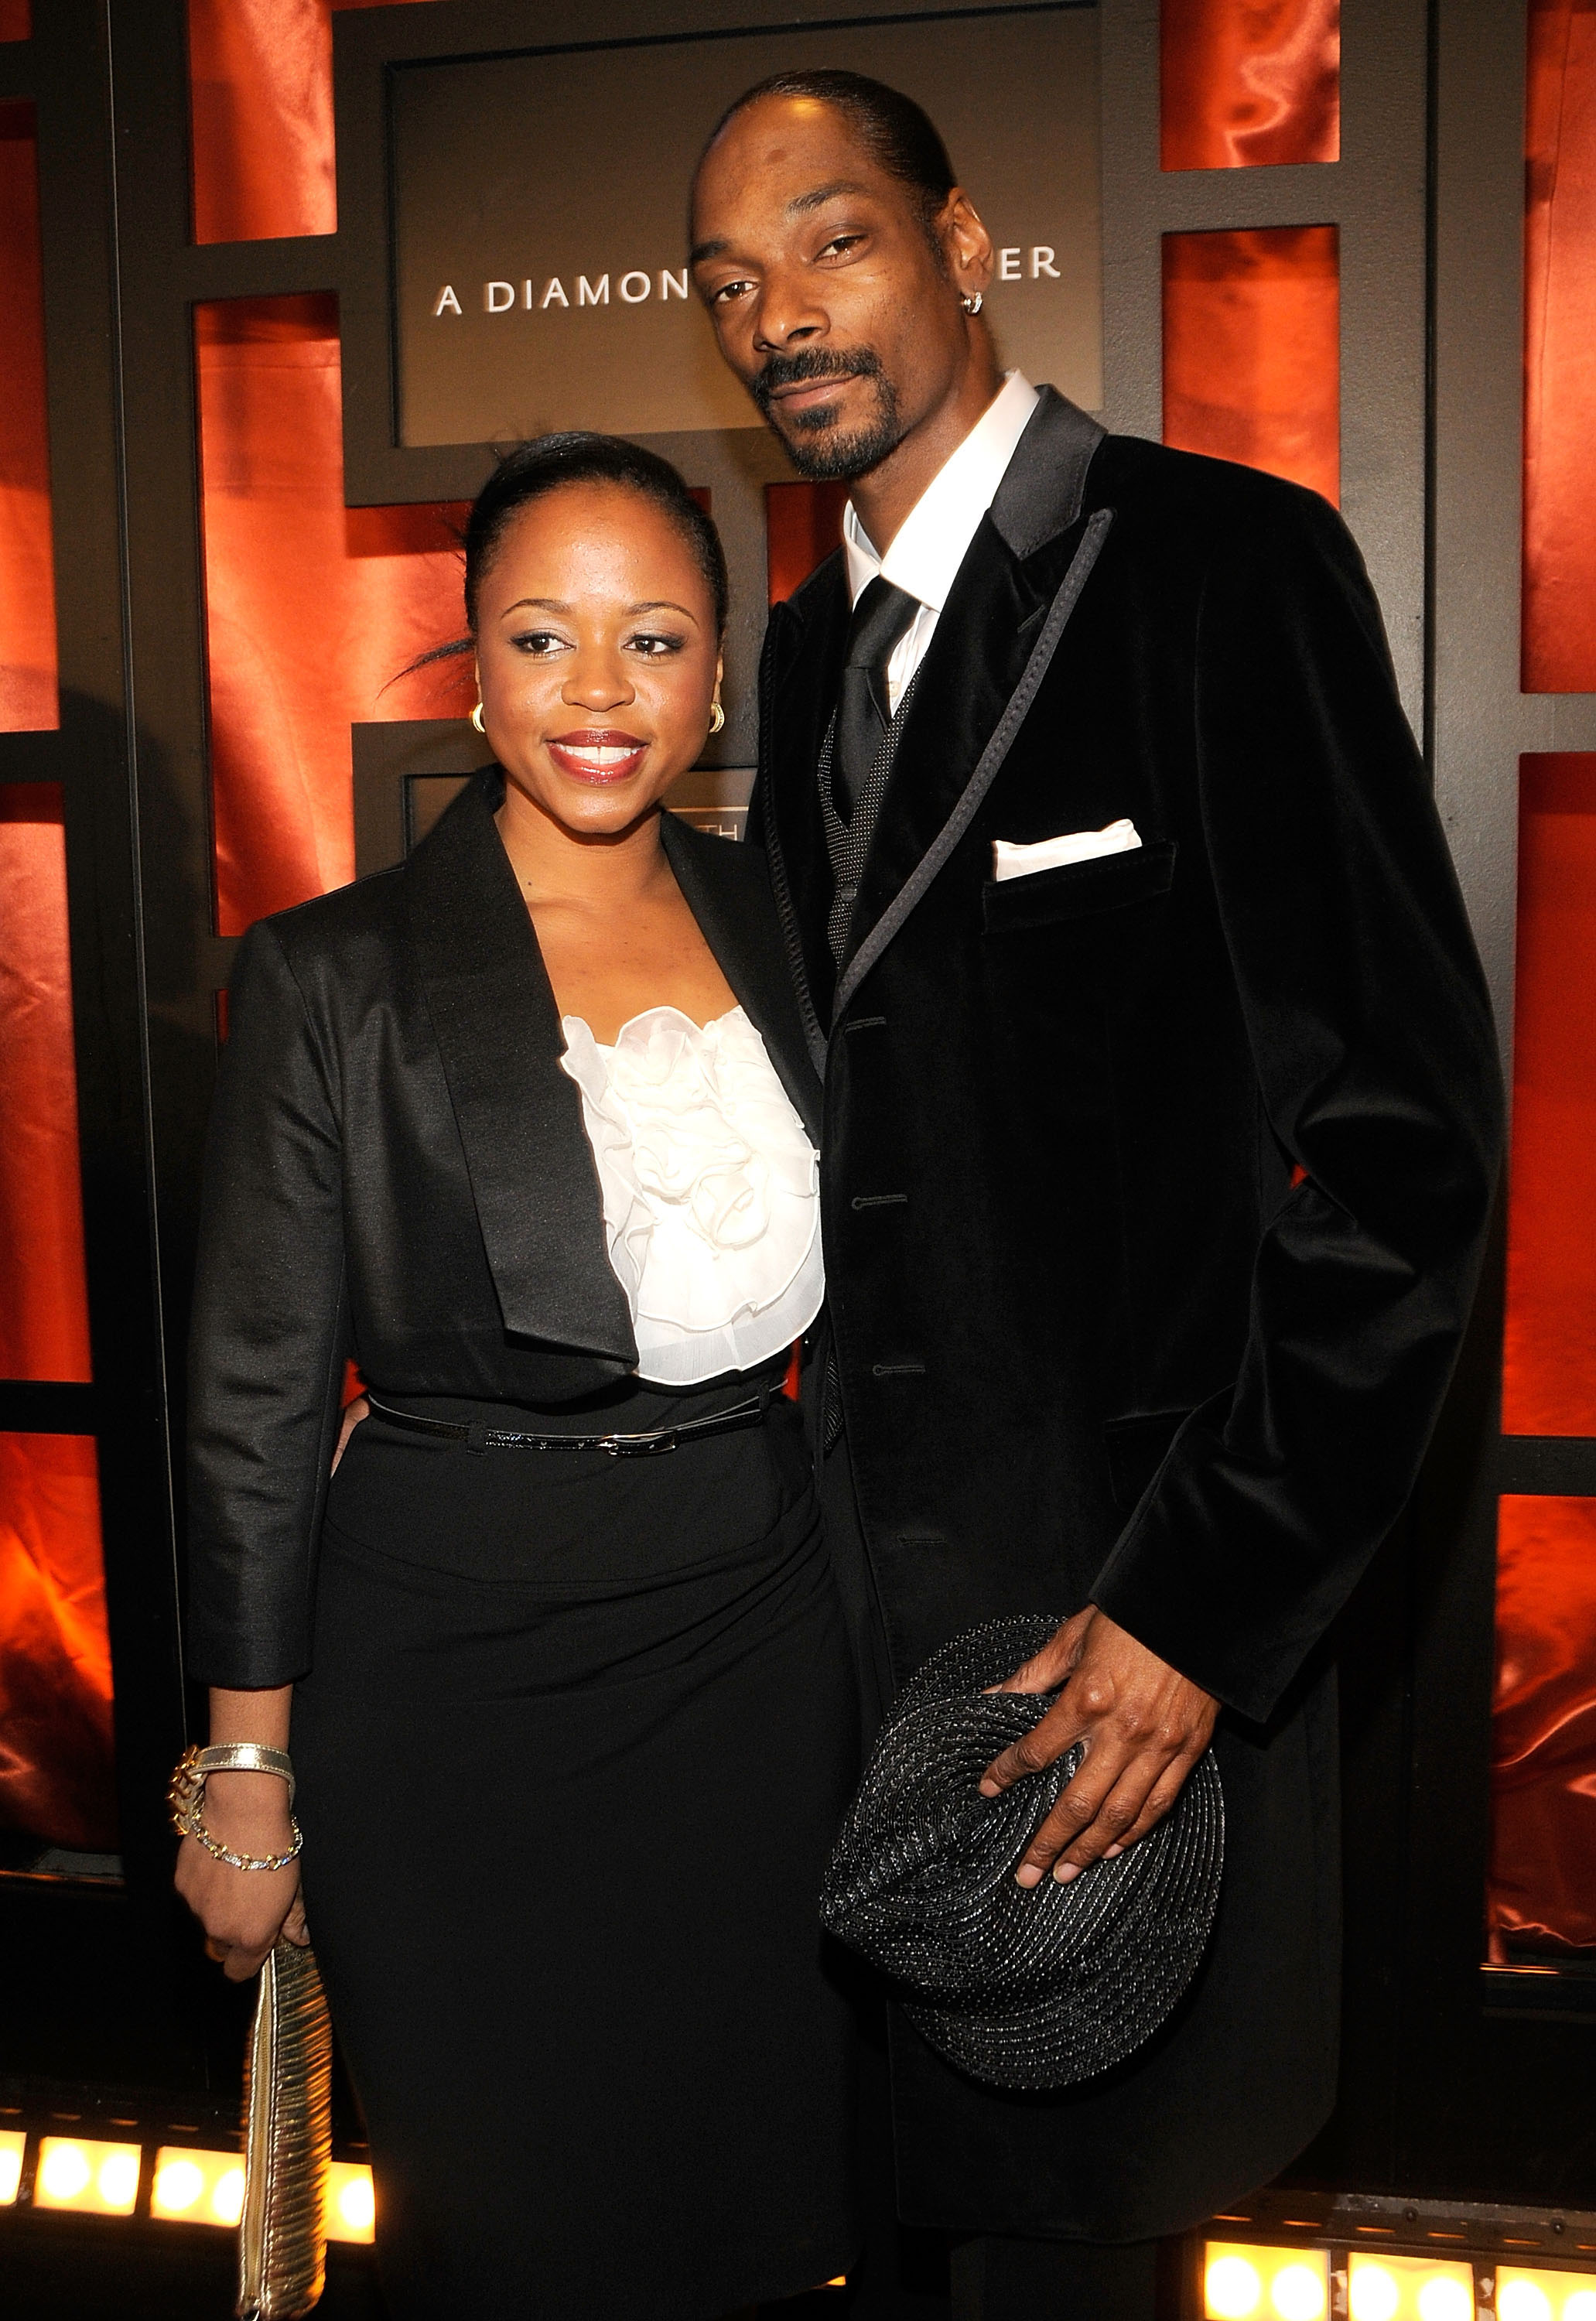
point(931, 543)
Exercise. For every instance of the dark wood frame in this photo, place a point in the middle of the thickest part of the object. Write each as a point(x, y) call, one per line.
point(1457, 2083)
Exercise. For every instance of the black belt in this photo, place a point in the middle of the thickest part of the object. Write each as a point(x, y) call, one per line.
point(477, 1437)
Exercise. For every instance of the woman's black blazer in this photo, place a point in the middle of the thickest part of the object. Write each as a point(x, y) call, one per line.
point(397, 1173)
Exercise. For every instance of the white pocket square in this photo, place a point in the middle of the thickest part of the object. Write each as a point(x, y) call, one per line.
point(1075, 846)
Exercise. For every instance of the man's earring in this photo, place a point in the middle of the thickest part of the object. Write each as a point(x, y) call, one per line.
point(970, 302)
point(477, 720)
point(717, 717)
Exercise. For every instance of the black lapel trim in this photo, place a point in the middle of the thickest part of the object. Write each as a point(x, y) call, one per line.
point(1043, 489)
point(800, 671)
point(725, 890)
point(519, 1115)
point(992, 758)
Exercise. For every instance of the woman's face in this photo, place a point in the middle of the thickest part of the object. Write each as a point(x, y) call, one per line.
point(597, 655)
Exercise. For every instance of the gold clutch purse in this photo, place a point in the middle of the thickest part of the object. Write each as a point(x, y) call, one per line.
point(282, 2242)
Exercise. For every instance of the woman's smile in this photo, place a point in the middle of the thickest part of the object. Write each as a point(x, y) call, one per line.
point(597, 753)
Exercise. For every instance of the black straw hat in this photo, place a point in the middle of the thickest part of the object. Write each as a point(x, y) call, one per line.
point(1023, 1990)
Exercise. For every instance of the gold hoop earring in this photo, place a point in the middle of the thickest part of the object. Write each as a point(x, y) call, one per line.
point(477, 721)
point(717, 717)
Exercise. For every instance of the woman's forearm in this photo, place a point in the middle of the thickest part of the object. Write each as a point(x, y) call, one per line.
point(250, 1802)
point(260, 1716)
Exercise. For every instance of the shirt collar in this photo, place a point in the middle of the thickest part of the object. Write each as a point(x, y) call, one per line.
point(931, 543)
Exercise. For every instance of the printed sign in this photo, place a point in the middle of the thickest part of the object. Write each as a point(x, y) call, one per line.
point(541, 233)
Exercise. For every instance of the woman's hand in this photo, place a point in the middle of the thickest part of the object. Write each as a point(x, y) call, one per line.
point(358, 1409)
point(242, 1911)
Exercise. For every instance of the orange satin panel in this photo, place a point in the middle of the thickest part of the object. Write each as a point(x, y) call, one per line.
point(312, 608)
point(56, 1778)
point(1252, 350)
point(43, 1305)
point(1559, 335)
point(1549, 1354)
point(16, 20)
point(1543, 1860)
point(1249, 81)
point(261, 113)
point(27, 570)
point(803, 525)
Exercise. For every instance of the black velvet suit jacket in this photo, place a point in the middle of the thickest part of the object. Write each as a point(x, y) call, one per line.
point(1153, 1193)
point(398, 1172)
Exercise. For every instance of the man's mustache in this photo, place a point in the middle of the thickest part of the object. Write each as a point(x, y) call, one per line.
point(812, 363)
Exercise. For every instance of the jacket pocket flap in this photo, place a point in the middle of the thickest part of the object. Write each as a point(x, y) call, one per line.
point(1079, 890)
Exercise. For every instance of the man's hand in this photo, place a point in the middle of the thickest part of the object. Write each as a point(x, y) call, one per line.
point(1144, 1726)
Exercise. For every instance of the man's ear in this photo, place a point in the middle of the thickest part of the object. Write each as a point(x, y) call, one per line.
point(967, 243)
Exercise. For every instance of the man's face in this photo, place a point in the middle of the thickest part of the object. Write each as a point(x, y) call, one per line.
point(830, 299)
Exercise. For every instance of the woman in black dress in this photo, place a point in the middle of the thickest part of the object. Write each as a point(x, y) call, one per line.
point(526, 1127)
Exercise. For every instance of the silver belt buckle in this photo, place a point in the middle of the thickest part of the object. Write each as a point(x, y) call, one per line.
point(638, 1446)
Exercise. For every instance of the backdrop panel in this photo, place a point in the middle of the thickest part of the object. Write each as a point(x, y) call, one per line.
point(1244, 85)
point(534, 290)
point(1252, 350)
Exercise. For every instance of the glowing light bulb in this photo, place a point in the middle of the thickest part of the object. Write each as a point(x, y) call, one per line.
point(64, 2171)
point(10, 2171)
point(1580, 2305)
point(1374, 2295)
point(1233, 2289)
point(177, 2186)
point(356, 2204)
point(1297, 2293)
point(227, 2197)
point(1521, 2300)
point(117, 2182)
point(1445, 2299)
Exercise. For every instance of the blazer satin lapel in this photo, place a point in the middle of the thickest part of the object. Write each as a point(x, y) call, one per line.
point(519, 1115)
point(1016, 589)
point(802, 676)
point(725, 894)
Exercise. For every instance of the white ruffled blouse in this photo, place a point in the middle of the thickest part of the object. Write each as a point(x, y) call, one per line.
point(710, 1190)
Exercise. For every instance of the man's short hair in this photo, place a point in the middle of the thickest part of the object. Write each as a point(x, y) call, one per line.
point(900, 138)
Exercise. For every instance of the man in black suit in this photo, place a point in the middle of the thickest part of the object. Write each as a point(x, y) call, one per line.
point(1161, 1120)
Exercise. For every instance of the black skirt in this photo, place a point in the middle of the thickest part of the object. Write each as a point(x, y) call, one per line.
point(576, 1743)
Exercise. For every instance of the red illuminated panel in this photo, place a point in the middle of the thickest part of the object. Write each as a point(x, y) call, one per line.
point(1252, 350)
point(1543, 1859)
point(43, 1308)
point(1549, 1363)
point(1559, 332)
point(312, 608)
point(260, 110)
point(27, 570)
point(16, 20)
point(1244, 82)
point(803, 525)
point(55, 1656)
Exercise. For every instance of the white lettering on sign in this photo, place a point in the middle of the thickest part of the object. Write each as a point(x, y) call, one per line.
point(637, 287)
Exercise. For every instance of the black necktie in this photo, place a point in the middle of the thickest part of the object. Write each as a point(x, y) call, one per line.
point(880, 618)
